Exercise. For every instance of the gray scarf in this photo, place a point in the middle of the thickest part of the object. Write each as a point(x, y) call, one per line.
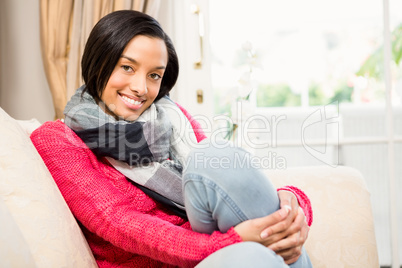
point(150, 151)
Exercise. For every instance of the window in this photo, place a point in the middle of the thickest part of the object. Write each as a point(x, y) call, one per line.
point(293, 58)
point(307, 53)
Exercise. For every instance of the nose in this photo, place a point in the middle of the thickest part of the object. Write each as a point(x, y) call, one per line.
point(138, 84)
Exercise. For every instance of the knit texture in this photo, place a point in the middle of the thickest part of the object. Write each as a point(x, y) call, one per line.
point(123, 226)
point(304, 202)
point(150, 151)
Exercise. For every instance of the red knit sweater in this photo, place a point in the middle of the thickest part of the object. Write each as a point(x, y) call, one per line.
point(123, 226)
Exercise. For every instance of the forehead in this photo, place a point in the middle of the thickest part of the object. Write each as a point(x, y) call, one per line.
point(142, 47)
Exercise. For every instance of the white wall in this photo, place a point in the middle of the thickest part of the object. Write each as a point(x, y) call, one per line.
point(24, 92)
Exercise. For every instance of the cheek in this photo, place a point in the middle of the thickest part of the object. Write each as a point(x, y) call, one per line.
point(153, 91)
point(116, 80)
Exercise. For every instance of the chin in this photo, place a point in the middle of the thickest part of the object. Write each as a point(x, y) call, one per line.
point(131, 117)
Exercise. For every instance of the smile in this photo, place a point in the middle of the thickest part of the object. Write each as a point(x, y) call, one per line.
point(132, 101)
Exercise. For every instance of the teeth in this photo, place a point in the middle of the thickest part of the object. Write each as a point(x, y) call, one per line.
point(134, 102)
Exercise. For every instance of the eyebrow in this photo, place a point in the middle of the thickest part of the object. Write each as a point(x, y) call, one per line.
point(135, 62)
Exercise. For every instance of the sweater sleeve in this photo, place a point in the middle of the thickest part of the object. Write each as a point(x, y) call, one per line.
point(112, 208)
point(304, 202)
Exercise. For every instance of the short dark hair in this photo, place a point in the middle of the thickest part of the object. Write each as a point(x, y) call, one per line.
point(107, 41)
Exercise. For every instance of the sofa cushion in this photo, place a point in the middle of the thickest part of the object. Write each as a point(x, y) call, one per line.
point(43, 230)
point(342, 233)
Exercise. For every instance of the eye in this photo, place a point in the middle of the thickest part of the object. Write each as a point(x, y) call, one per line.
point(127, 68)
point(155, 76)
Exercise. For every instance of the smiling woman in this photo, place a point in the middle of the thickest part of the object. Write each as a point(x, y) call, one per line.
point(125, 151)
point(134, 83)
point(98, 66)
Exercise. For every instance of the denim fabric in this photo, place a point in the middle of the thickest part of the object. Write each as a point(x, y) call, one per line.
point(223, 187)
point(250, 254)
point(243, 255)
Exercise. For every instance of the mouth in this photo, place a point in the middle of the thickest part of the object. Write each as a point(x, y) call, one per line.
point(132, 102)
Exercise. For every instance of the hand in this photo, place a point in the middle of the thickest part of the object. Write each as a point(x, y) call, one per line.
point(287, 237)
point(251, 230)
point(289, 248)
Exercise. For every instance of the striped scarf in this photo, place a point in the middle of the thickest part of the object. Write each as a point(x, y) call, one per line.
point(150, 151)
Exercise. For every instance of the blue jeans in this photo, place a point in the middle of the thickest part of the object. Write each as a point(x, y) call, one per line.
point(243, 255)
point(222, 188)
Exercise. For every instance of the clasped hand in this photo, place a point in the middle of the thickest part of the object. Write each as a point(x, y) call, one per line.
point(283, 231)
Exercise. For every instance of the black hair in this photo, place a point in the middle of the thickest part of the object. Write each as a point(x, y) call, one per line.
point(107, 41)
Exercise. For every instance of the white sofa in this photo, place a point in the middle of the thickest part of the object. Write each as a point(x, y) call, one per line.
point(38, 230)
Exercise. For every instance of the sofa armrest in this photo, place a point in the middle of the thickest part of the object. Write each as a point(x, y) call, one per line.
point(37, 228)
point(342, 234)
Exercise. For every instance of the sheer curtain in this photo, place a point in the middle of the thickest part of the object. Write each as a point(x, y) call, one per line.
point(65, 26)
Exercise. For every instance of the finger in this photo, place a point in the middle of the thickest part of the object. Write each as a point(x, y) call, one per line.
point(295, 202)
point(277, 231)
point(289, 242)
point(300, 211)
point(297, 231)
point(304, 230)
point(251, 230)
point(297, 225)
point(291, 256)
point(293, 260)
point(284, 228)
point(274, 218)
point(283, 221)
point(300, 226)
point(287, 198)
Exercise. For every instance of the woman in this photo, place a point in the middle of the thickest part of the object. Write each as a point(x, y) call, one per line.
point(129, 66)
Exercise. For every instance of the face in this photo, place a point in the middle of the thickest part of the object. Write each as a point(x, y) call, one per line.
point(135, 81)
